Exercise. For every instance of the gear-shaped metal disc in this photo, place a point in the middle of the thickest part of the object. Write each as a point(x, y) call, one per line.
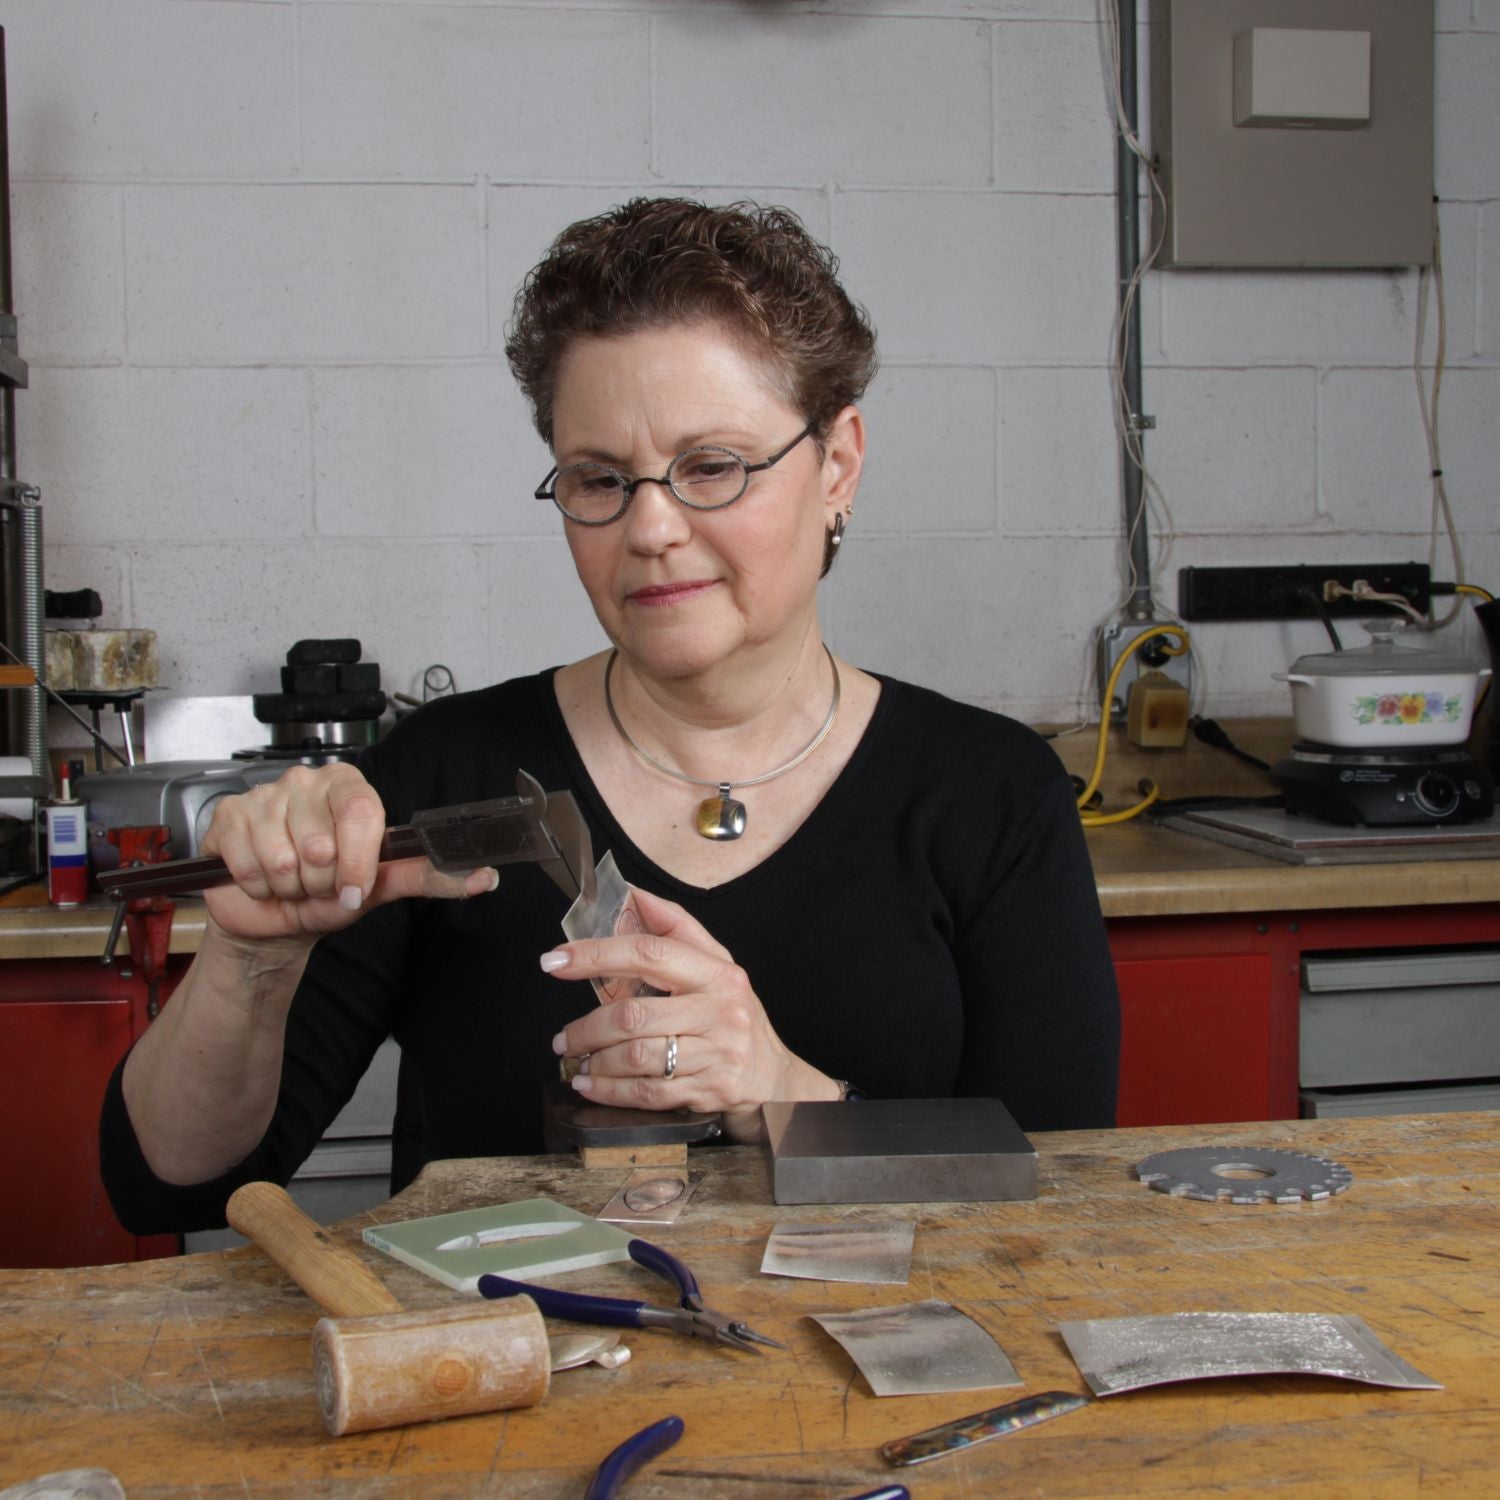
point(1215, 1173)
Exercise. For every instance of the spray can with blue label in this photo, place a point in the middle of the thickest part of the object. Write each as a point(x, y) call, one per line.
point(67, 848)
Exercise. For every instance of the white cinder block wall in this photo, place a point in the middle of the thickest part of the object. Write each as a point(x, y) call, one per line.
point(264, 257)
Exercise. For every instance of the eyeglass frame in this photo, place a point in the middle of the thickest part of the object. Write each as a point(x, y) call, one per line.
point(629, 486)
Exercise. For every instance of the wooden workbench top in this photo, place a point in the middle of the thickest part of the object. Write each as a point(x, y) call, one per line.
point(1146, 871)
point(192, 1377)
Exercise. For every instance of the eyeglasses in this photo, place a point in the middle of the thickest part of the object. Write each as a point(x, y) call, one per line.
point(703, 478)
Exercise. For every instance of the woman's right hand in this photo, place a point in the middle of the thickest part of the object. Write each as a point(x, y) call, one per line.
point(304, 851)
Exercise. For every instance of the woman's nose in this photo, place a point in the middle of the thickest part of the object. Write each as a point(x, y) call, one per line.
point(655, 518)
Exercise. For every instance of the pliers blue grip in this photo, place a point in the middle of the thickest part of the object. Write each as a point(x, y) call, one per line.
point(634, 1453)
point(689, 1317)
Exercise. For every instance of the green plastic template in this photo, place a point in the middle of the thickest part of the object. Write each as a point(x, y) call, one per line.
point(525, 1240)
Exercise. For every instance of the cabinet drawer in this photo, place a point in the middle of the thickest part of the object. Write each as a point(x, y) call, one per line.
point(1400, 1036)
point(1429, 1101)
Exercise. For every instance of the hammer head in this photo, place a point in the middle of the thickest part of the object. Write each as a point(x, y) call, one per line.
point(388, 1369)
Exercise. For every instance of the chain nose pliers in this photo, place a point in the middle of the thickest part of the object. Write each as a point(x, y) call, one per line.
point(689, 1317)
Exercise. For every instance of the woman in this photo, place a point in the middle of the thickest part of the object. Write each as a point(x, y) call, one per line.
point(840, 876)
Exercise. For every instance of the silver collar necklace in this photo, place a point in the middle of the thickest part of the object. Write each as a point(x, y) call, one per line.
point(722, 817)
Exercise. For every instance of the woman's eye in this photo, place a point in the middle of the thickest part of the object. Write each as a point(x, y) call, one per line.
point(598, 482)
point(701, 470)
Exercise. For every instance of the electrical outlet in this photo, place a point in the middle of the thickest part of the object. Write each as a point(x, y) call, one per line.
point(1115, 639)
point(1288, 593)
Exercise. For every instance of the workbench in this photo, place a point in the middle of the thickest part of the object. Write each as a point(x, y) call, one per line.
point(192, 1377)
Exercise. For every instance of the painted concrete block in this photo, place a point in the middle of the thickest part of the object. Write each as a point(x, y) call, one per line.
point(1060, 468)
point(303, 272)
point(1249, 317)
point(1235, 450)
point(539, 615)
point(1467, 143)
point(930, 466)
point(433, 91)
point(102, 569)
point(1489, 281)
point(1374, 458)
point(151, 88)
point(444, 450)
point(130, 455)
point(69, 285)
point(1372, 453)
point(967, 278)
point(758, 95)
point(225, 614)
point(990, 628)
point(1054, 123)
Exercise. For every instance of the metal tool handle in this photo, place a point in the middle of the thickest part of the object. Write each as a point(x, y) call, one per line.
point(634, 1453)
point(669, 1268)
point(174, 877)
point(571, 1307)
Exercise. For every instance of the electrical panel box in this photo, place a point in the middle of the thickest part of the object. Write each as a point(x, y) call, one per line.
point(1294, 132)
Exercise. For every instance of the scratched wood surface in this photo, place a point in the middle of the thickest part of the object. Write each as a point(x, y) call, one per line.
point(192, 1377)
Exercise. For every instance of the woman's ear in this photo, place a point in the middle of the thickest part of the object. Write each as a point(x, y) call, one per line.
point(843, 462)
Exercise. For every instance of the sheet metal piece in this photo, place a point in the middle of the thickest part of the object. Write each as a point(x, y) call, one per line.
point(966, 1431)
point(569, 1350)
point(919, 1348)
point(650, 1195)
point(875, 1253)
point(1214, 1173)
point(898, 1151)
point(1125, 1354)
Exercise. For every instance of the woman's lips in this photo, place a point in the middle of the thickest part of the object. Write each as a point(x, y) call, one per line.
point(658, 594)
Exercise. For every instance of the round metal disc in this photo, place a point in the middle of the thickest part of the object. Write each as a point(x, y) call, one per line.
point(1256, 1175)
point(656, 1193)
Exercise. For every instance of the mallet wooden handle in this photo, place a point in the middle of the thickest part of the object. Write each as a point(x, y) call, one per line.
point(333, 1276)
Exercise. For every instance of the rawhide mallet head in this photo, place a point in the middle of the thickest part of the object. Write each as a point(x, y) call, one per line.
point(377, 1366)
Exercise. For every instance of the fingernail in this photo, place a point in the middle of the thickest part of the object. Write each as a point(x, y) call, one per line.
point(559, 1043)
point(494, 881)
point(351, 898)
point(583, 1084)
point(557, 959)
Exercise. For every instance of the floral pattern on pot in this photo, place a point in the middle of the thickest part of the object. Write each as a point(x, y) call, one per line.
point(1396, 709)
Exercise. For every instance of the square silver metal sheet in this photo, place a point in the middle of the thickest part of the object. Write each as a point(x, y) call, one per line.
point(898, 1151)
point(1124, 1354)
point(874, 1253)
point(650, 1195)
point(919, 1348)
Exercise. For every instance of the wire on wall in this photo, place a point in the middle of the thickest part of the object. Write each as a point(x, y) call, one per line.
point(1430, 287)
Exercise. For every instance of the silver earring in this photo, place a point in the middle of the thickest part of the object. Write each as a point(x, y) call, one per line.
point(837, 534)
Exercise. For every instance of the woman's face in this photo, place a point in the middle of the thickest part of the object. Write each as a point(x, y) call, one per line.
point(680, 590)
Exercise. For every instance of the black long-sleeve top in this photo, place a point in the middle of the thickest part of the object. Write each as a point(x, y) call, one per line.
point(931, 930)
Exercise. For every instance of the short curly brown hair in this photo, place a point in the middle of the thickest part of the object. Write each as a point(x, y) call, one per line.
point(654, 261)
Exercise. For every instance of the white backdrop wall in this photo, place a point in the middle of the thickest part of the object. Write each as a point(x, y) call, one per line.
point(265, 252)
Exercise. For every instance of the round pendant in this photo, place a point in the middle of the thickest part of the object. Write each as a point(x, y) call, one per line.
point(721, 817)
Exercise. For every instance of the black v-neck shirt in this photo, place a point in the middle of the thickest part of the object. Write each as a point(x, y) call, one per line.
point(932, 929)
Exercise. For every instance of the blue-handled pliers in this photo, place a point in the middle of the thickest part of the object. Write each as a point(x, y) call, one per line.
point(690, 1316)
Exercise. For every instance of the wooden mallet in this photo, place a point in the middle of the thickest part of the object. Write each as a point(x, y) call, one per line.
point(378, 1366)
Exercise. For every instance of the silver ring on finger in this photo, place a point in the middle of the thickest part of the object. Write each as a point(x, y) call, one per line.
point(671, 1067)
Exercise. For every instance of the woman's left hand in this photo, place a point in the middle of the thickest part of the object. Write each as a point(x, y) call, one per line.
point(728, 1056)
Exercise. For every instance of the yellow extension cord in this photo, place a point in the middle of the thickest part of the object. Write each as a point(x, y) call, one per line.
point(1149, 787)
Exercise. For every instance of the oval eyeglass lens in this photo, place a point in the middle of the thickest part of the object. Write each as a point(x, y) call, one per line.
point(589, 491)
point(708, 476)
